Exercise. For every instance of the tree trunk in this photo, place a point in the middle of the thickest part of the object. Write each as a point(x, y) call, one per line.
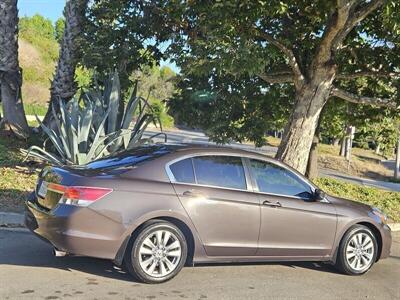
point(10, 72)
point(378, 149)
point(336, 142)
point(63, 87)
point(312, 167)
point(397, 167)
point(299, 133)
point(343, 146)
point(349, 145)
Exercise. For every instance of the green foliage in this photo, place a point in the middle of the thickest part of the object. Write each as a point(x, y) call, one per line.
point(229, 107)
point(59, 29)
point(388, 202)
point(222, 42)
point(83, 77)
point(124, 33)
point(39, 31)
point(39, 49)
point(157, 85)
point(160, 113)
point(37, 24)
point(94, 125)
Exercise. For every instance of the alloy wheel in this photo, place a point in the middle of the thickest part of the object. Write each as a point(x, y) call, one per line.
point(160, 253)
point(360, 252)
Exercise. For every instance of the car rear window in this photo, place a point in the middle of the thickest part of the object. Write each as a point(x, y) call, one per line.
point(130, 157)
point(222, 171)
point(183, 171)
point(212, 170)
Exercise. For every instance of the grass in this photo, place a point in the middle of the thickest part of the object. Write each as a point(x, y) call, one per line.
point(364, 162)
point(17, 179)
point(35, 109)
point(387, 201)
point(32, 109)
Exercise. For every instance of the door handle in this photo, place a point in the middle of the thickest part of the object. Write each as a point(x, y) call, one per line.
point(193, 193)
point(271, 204)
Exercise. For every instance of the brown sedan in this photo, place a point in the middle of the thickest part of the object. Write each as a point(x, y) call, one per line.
point(156, 208)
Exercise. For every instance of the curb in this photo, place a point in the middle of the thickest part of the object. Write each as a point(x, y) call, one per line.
point(16, 220)
point(394, 226)
point(11, 220)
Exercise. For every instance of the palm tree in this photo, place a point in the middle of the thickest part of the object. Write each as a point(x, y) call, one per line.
point(10, 73)
point(63, 85)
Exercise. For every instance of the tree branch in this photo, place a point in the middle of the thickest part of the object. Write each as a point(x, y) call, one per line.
point(346, 16)
point(353, 98)
point(356, 18)
point(364, 12)
point(335, 25)
point(298, 77)
point(368, 74)
point(277, 77)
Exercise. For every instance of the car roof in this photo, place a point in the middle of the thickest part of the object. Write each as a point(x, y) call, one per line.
point(202, 147)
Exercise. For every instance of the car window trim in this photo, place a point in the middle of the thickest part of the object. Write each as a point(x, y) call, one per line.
point(250, 180)
point(249, 185)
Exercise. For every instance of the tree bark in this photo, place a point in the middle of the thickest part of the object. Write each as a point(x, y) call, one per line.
point(378, 149)
point(299, 133)
point(336, 142)
point(63, 87)
point(343, 147)
point(10, 72)
point(312, 167)
point(349, 144)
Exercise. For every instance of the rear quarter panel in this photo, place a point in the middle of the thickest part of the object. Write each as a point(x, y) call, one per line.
point(137, 198)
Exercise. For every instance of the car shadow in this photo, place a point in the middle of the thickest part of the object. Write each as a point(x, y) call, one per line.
point(26, 250)
point(32, 252)
point(316, 266)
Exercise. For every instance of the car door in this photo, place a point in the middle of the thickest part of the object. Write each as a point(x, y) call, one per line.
point(214, 191)
point(292, 223)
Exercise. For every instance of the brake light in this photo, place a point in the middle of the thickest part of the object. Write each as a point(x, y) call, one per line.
point(83, 196)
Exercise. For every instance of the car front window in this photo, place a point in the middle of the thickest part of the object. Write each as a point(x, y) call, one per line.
point(277, 180)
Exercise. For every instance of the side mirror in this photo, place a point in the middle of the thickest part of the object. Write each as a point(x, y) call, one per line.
point(319, 195)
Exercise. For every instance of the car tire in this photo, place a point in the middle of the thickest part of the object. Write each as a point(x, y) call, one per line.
point(157, 253)
point(358, 250)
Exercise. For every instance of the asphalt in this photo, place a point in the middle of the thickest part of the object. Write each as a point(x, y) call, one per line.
point(29, 271)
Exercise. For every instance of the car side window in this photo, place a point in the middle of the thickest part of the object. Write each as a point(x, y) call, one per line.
point(221, 171)
point(274, 179)
point(183, 171)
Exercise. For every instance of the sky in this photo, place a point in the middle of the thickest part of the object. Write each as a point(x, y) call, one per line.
point(53, 9)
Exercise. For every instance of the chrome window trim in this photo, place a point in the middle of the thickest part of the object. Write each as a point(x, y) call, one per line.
point(248, 173)
point(172, 178)
point(212, 186)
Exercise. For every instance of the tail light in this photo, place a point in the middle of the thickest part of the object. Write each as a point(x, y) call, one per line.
point(80, 195)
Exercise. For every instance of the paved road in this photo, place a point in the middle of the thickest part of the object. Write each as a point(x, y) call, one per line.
point(29, 271)
point(391, 186)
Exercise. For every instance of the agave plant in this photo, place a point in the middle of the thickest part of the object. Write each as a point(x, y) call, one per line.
point(94, 125)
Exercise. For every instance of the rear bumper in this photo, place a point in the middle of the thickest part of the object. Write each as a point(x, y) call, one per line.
point(75, 230)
